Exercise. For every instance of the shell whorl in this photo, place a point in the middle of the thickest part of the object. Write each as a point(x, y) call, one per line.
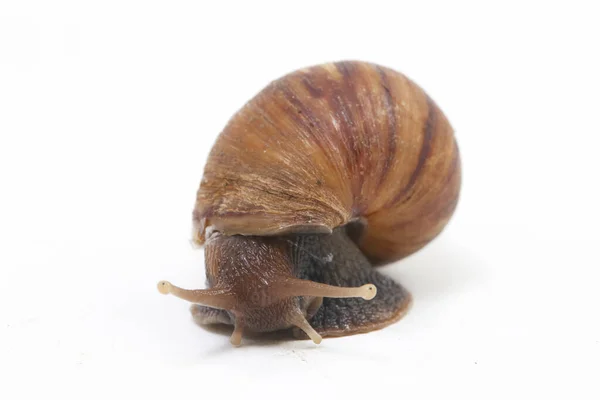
point(330, 144)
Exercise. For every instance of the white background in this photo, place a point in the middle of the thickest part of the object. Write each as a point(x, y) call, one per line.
point(108, 110)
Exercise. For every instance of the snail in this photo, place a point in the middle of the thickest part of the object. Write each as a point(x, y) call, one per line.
point(327, 173)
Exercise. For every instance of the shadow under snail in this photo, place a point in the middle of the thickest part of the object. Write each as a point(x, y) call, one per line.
point(328, 172)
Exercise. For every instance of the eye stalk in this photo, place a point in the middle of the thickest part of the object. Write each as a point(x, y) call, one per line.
point(216, 298)
point(301, 287)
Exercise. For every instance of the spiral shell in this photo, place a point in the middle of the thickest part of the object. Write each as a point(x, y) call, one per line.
point(331, 144)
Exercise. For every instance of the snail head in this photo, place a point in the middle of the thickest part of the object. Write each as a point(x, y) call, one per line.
point(252, 279)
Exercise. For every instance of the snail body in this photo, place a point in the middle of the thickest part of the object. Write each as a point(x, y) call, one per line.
point(328, 172)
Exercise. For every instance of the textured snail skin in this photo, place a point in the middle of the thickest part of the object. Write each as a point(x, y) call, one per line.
point(331, 144)
point(249, 266)
point(327, 172)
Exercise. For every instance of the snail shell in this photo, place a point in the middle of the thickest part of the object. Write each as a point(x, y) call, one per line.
point(327, 172)
point(328, 145)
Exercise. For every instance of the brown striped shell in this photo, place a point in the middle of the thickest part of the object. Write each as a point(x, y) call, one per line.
point(331, 144)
